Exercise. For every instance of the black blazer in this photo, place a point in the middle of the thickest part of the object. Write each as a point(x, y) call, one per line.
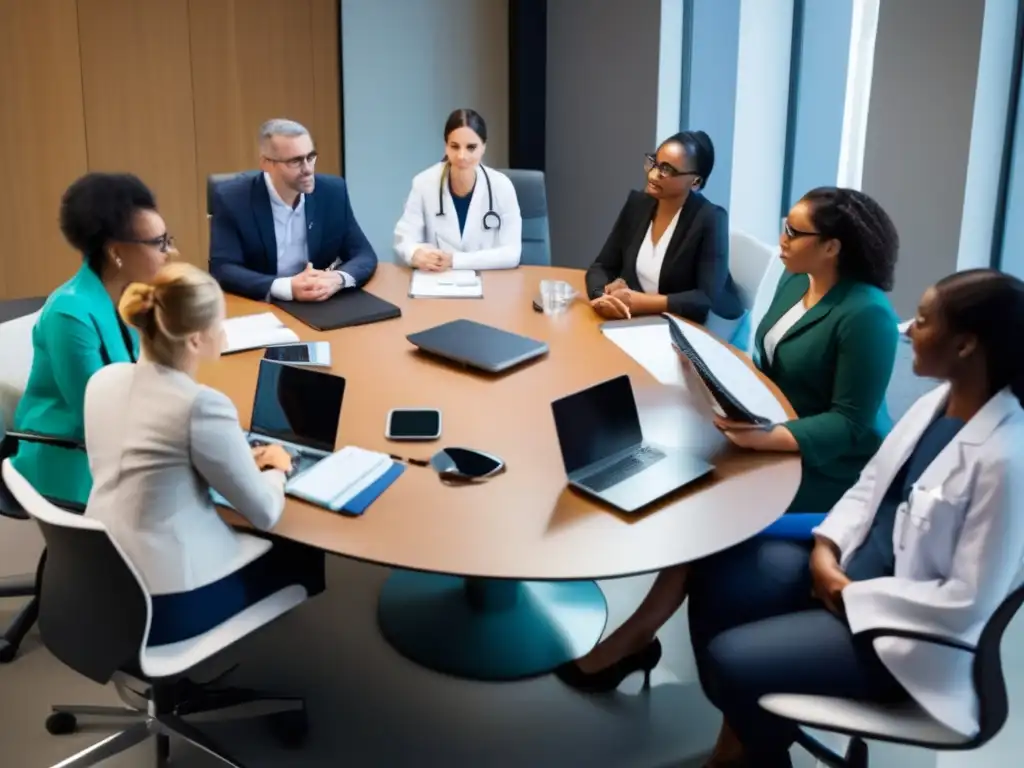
point(695, 274)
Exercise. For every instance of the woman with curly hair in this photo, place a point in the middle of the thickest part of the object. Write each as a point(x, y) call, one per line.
point(828, 341)
point(112, 220)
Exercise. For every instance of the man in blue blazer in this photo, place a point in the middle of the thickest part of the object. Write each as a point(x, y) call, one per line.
point(287, 233)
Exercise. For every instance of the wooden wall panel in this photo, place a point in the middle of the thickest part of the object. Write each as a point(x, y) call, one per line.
point(137, 85)
point(325, 34)
point(44, 141)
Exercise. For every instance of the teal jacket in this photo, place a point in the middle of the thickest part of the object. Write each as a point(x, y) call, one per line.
point(78, 332)
point(834, 367)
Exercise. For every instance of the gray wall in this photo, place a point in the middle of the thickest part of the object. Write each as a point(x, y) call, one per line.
point(406, 65)
point(602, 108)
point(919, 132)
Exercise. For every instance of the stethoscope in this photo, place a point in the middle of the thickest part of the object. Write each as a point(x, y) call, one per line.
point(491, 219)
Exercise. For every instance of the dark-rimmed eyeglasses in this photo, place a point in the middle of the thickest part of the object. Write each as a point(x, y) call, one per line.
point(460, 464)
point(164, 242)
point(664, 169)
point(295, 163)
point(792, 234)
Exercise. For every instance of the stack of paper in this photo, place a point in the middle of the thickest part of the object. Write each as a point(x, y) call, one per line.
point(254, 331)
point(340, 477)
point(453, 284)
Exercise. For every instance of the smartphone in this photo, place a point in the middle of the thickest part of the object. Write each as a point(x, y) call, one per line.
point(413, 424)
point(538, 304)
point(315, 353)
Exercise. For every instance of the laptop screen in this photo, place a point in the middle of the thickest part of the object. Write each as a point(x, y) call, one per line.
point(297, 405)
point(597, 423)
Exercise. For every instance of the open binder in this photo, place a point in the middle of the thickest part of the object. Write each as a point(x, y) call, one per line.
point(728, 405)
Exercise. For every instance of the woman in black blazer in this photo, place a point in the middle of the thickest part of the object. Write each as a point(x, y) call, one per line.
point(669, 248)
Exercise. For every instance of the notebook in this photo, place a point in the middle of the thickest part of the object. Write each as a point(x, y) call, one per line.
point(343, 309)
point(254, 331)
point(451, 284)
point(348, 481)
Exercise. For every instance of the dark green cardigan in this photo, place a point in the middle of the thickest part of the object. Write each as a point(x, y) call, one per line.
point(834, 366)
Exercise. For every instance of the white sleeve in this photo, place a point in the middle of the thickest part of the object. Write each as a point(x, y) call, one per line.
point(411, 230)
point(281, 289)
point(509, 249)
point(852, 512)
point(222, 456)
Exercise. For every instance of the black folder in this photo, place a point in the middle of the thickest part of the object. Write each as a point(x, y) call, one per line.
point(345, 308)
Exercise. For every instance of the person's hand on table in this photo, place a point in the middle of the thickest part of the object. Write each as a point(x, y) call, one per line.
point(431, 260)
point(272, 457)
point(309, 285)
point(615, 285)
point(756, 438)
point(333, 281)
point(827, 578)
point(611, 308)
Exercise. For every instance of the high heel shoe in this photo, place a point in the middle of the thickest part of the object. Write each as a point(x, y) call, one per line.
point(609, 678)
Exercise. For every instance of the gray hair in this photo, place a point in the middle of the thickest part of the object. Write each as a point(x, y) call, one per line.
point(280, 126)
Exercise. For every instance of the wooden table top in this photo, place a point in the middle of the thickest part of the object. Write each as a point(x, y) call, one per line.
point(525, 523)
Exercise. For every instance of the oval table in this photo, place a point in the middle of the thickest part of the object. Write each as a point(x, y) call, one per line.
point(495, 580)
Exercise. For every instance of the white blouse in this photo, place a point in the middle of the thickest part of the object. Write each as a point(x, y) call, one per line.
point(651, 256)
point(781, 328)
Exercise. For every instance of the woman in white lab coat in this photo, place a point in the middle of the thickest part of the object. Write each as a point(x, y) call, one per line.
point(930, 539)
point(461, 214)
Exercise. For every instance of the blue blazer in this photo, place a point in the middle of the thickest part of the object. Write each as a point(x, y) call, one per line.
point(243, 246)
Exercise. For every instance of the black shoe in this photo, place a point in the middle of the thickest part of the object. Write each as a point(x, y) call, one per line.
point(610, 678)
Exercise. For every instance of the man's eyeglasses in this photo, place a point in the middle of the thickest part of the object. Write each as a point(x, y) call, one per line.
point(295, 163)
point(793, 234)
point(664, 169)
point(164, 242)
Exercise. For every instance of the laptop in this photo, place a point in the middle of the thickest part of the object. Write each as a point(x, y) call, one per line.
point(604, 450)
point(477, 345)
point(298, 409)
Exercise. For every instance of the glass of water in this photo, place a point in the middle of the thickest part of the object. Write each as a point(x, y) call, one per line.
point(556, 296)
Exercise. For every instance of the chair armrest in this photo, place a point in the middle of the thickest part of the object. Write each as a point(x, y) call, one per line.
point(38, 437)
point(924, 637)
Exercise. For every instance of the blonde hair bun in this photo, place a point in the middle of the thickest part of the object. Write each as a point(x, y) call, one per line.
point(137, 304)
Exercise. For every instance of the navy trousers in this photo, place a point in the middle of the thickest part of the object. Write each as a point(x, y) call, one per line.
point(756, 629)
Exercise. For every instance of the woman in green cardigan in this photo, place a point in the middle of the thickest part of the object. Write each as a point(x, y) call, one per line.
point(828, 341)
point(111, 219)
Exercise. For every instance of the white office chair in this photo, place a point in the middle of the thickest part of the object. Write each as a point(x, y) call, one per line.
point(907, 723)
point(94, 616)
point(749, 261)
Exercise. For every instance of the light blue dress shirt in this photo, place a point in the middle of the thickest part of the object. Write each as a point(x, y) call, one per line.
point(292, 249)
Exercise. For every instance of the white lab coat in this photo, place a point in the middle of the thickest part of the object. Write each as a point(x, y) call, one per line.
point(476, 247)
point(959, 545)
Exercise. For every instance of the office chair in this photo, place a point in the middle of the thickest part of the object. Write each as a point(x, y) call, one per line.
point(24, 586)
point(94, 617)
point(533, 205)
point(218, 178)
point(906, 723)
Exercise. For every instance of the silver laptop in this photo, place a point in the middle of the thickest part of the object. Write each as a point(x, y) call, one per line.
point(298, 409)
point(604, 450)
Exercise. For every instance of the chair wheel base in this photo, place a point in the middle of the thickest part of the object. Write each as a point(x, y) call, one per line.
point(857, 754)
point(7, 652)
point(290, 728)
point(61, 723)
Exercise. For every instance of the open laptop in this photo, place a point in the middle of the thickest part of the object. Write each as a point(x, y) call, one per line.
point(477, 345)
point(604, 450)
point(298, 409)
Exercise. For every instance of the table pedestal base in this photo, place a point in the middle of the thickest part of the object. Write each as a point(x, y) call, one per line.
point(490, 629)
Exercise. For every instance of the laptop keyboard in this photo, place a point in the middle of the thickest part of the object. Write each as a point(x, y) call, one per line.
point(300, 461)
point(623, 469)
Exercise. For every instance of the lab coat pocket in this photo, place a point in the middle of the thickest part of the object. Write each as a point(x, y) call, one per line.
point(927, 526)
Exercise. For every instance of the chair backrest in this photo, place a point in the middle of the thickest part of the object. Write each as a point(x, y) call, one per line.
point(748, 260)
point(989, 683)
point(763, 296)
point(17, 353)
point(217, 178)
point(533, 205)
point(93, 610)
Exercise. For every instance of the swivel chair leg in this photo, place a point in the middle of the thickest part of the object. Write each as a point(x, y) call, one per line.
point(10, 642)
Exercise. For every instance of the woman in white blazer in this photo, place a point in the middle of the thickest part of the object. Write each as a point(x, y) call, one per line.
point(930, 539)
point(159, 441)
point(460, 214)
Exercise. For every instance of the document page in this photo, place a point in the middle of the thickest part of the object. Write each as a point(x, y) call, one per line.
point(254, 331)
point(452, 284)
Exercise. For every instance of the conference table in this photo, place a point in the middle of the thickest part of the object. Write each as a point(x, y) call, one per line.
point(496, 580)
